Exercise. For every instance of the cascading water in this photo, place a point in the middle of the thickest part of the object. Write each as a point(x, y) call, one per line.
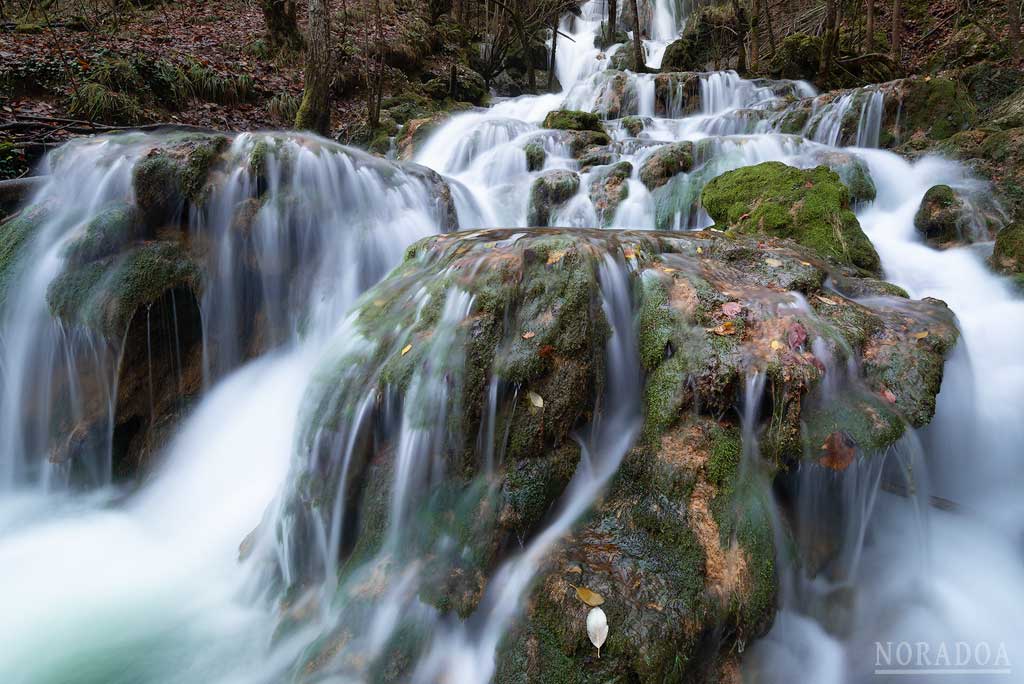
point(292, 230)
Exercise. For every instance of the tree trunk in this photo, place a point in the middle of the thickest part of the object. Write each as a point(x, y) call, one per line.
point(755, 38)
point(554, 50)
point(1013, 18)
point(639, 65)
point(828, 44)
point(768, 20)
point(741, 37)
point(869, 37)
point(282, 27)
point(315, 111)
point(613, 19)
point(897, 24)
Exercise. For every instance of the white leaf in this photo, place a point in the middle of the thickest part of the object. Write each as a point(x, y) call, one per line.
point(597, 628)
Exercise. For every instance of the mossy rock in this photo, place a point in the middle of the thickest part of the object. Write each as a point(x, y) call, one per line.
point(16, 234)
point(707, 27)
point(665, 162)
point(797, 57)
point(940, 216)
point(550, 191)
point(104, 294)
point(173, 176)
point(1008, 254)
point(634, 125)
point(677, 94)
point(609, 187)
point(853, 172)
point(933, 108)
point(812, 207)
point(624, 59)
point(105, 234)
point(535, 156)
point(570, 120)
point(597, 156)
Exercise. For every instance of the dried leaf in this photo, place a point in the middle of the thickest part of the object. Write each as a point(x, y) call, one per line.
point(838, 451)
point(888, 395)
point(405, 349)
point(575, 569)
point(774, 263)
point(555, 256)
point(546, 350)
point(731, 309)
point(629, 253)
point(529, 335)
point(597, 628)
point(776, 345)
point(666, 269)
point(920, 335)
point(796, 336)
point(727, 328)
point(826, 300)
point(700, 250)
point(535, 399)
point(591, 598)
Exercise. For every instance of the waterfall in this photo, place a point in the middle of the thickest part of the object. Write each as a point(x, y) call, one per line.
point(323, 413)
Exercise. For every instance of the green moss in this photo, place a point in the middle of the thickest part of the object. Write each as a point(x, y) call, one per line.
point(634, 125)
point(938, 107)
point(797, 57)
point(1008, 254)
point(107, 232)
point(105, 294)
point(866, 419)
point(158, 187)
point(811, 207)
point(724, 458)
point(535, 156)
point(569, 120)
point(666, 162)
point(550, 191)
point(15, 235)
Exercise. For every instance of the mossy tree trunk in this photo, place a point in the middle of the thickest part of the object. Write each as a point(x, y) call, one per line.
point(638, 45)
point(869, 31)
point(282, 26)
point(755, 28)
point(613, 19)
point(897, 24)
point(829, 42)
point(1013, 19)
point(554, 52)
point(315, 111)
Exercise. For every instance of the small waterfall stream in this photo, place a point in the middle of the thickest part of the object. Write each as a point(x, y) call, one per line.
point(106, 585)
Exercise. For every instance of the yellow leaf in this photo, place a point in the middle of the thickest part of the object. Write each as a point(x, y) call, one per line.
point(727, 328)
point(591, 598)
point(575, 569)
point(700, 250)
point(920, 335)
point(826, 300)
point(776, 345)
point(629, 253)
point(535, 399)
point(666, 269)
point(528, 335)
point(774, 263)
point(555, 256)
point(379, 302)
point(405, 349)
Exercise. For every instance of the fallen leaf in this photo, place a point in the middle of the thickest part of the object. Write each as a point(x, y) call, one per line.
point(575, 569)
point(700, 250)
point(727, 328)
point(629, 253)
point(528, 335)
point(838, 451)
point(555, 256)
point(797, 335)
point(731, 309)
point(774, 263)
point(545, 351)
point(826, 300)
point(591, 598)
point(920, 335)
point(656, 606)
point(776, 345)
point(597, 628)
point(888, 395)
point(535, 399)
point(666, 269)
point(405, 349)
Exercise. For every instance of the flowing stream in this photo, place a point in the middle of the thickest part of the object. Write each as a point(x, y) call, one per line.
point(103, 585)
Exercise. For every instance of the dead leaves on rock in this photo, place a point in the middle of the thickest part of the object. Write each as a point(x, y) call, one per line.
point(588, 596)
point(838, 451)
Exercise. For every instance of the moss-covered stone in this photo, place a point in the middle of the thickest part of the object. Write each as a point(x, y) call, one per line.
point(16, 234)
point(811, 207)
point(569, 120)
point(797, 57)
point(105, 234)
point(940, 216)
point(634, 125)
point(665, 162)
point(608, 188)
point(550, 191)
point(1008, 254)
point(707, 29)
point(535, 156)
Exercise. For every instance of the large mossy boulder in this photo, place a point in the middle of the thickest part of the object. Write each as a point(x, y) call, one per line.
point(797, 57)
point(1008, 253)
point(548, 192)
point(709, 27)
point(928, 109)
point(811, 207)
point(942, 216)
point(680, 545)
point(570, 120)
point(173, 176)
point(998, 156)
point(609, 186)
point(665, 162)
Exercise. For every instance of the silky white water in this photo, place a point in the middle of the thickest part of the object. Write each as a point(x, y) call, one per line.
point(147, 585)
